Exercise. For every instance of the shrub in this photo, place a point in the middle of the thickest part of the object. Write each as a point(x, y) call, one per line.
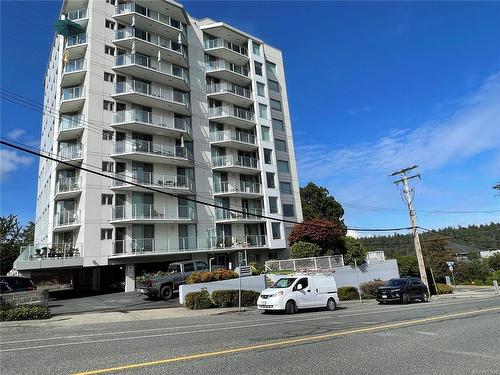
point(444, 288)
point(146, 276)
point(257, 269)
point(348, 293)
point(229, 298)
point(469, 270)
point(493, 262)
point(198, 300)
point(324, 233)
point(25, 312)
point(369, 288)
point(304, 249)
point(493, 276)
point(205, 277)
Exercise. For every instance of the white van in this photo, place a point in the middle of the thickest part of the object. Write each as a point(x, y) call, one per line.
point(300, 292)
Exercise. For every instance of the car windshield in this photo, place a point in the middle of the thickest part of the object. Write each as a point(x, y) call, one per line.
point(395, 282)
point(174, 268)
point(284, 283)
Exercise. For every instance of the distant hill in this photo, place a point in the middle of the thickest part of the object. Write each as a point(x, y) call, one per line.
point(473, 238)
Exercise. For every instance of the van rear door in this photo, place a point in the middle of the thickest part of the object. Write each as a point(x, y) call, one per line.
point(324, 288)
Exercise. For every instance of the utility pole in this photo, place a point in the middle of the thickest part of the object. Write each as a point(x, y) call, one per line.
point(408, 195)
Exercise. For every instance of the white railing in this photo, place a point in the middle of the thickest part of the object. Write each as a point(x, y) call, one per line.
point(375, 257)
point(247, 214)
point(153, 90)
point(75, 65)
point(66, 184)
point(153, 212)
point(71, 93)
point(146, 117)
point(153, 63)
point(77, 14)
point(70, 152)
point(234, 161)
point(156, 180)
point(225, 87)
point(220, 42)
point(232, 112)
point(226, 65)
point(68, 122)
point(243, 187)
point(75, 40)
point(305, 264)
point(48, 251)
point(67, 217)
point(156, 149)
point(229, 135)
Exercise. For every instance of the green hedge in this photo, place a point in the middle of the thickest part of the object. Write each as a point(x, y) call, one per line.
point(348, 293)
point(25, 312)
point(369, 289)
point(198, 300)
point(220, 298)
point(444, 289)
point(205, 277)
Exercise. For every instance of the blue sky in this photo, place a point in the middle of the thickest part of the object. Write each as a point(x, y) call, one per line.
point(373, 87)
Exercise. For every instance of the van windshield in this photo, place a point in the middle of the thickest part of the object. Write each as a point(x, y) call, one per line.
point(284, 283)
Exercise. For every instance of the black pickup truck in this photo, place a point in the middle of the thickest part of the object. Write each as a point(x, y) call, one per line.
point(165, 285)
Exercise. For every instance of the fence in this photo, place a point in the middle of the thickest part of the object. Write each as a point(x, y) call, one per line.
point(302, 264)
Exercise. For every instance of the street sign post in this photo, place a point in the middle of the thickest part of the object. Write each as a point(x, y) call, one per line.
point(450, 267)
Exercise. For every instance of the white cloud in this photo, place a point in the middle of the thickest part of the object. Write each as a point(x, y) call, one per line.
point(10, 161)
point(15, 134)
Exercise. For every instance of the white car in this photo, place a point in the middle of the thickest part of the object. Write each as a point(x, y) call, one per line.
point(300, 292)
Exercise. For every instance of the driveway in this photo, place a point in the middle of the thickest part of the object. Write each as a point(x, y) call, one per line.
point(64, 302)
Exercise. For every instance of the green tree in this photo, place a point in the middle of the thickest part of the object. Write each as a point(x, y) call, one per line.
point(436, 254)
point(317, 203)
point(493, 261)
point(304, 249)
point(354, 249)
point(469, 270)
point(408, 265)
point(326, 234)
point(12, 237)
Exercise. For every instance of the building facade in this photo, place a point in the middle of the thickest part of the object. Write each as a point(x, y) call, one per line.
point(183, 111)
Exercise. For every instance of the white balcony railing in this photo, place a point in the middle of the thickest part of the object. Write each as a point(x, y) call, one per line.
point(155, 149)
point(67, 184)
point(146, 117)
point(77, 14)
point(234, 161)
point(75, 40)
point(153, 212)
point(70, 152)
point(222, 43)
point(75, 65)
point(226, 65)
point(68, 122)
point(247, 214)
point(71, 93)
point(153, 90)
point(225, 87)
point(231, 112)
point(229, 135)
point(155, 179)
point(68, 217)
point(153, 63)
point(241, 186)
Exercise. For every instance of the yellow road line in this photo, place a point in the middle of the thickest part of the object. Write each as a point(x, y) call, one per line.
point(286, 342)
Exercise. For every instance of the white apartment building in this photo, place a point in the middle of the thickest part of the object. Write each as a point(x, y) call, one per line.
point(194, 109)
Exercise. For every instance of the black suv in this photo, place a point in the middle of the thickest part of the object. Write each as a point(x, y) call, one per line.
point(405, 290)
point(16, 284)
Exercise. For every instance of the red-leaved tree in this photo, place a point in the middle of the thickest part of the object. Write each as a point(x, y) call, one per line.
point(323, 233)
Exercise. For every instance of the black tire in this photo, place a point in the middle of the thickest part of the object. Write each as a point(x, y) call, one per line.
point(381, 302)
point(406, 299)
point(331, 305)
point(290, 307)
point(166, 292)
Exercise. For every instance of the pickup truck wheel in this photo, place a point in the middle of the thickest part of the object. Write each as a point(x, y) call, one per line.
point(290, 307)
point(331, 305)
point(166, 292)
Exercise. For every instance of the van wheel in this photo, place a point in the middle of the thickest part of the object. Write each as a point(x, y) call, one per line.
point(166, 292)
point(331, 305)
point(290, 307)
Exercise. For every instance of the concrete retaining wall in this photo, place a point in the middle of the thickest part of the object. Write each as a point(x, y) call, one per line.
point(35, 297)
point(345, 276)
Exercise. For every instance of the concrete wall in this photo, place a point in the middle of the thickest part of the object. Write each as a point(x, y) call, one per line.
point(257, 283)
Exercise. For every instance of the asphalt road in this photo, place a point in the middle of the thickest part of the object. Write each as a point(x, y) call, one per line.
point(440, 337)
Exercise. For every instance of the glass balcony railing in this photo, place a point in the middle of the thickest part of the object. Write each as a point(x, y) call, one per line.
point(153, 90)
point(246, 214)
point(222, 43)
point(77, 14)
point(70, 152)
point(75, 40)
point(68, 122)
point(67, 184)
point(48, 251)
point(67, 217)
point(155, 149)
point(232, 112)
point(75, 65)
point(154, 119)
point(151, 63)
point(229, 135)
point(71, 93)
point(234, 161)
point(226, 65)
point(224, 87)
point(241, 187)
point(153, 212)
point(155, 179)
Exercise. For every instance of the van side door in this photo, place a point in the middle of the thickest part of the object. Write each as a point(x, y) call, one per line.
point(303, 296)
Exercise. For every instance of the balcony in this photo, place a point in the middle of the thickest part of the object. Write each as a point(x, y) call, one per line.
point(248, 215)
point(157, 246)
point(79, 16)
point(72, 156)
point(230, 93)
point(227, 71)
point(43, 256)
point(74, 73)
point(153, 123)
point(232, 116)
point(234, 139)
point(70, 127)
point(238, 189)
point(76, 46)
point(149, 68)
point(66, 220)
point(153, 95)
point(68, 187)
point(174, 184)
point(162, 24)
point(147, 43)
point(149, 213)
point(237, 164)
point(72, 99)
point(149, 152)
point(226, 50)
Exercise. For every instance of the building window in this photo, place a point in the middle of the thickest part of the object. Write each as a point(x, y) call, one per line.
point(263, 111)
point(107, 199)
point(106, 234)
point(268, 156)
point(273, 205)
point(288, 210)
point(275, 104)
point(256, 48)
point(279, 144)
point(109, 77)
point(278, 125)
point(276, 229)
point(265, 133)
point(109, 24)
point(283, 166)
point(273, 86)
point(107, 105)
point(285, 187)
point(271, 67)
point(258, 68)
point(107, 166)
point(109, 50)
point(107, 135)
point(261, 89)
point(112, 2)
point(270, 180)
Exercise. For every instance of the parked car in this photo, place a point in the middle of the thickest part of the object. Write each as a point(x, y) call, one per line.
point(165, 285)
point(300, 292)
point(5, 288)
point(18, 283)
point(405, 290)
